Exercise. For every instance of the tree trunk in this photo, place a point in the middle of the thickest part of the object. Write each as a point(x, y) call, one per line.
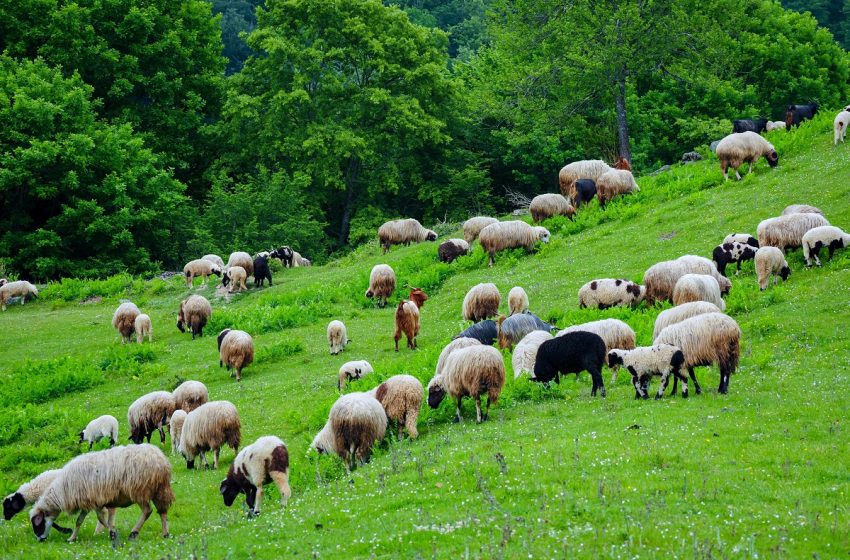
point(351, 176)
point(622, 121)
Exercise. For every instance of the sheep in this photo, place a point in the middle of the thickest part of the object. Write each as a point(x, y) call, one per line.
point(801, 209)
point(337, 337)
point(786, 232)
point(264, 461)
point(525, 352)
point(175, 428)
point(734, 252)
point(660, 279)
point(775, 125)
point(744, 147)
point(298, 260)
point(236, 351)
point(481, 302)
point(189, 395)
point(698, 287)
point(194, 312)
point(397, 232)
point(585, 169)
point(142, 326)
point(209, 427)
point(105, 426)
point(614, 333)
point(285, 254)
point(817, 238)
point(508, 235)
point(21, 289)
point(451, 249)
point(517, 301)
point(469, 372)
point(234, 277)
point(839, 126)
point(662, 360)
point(407, 318)
point(755, 125)
point(571, 352)
point(770, 261)
point(484, 332)
point(29, 493)
point(240, 258)
point(116, 477)
point(680, 313)
point(382, 283)
point(401, 397)
point(547, 205)
point(355, 422)
point(214, 259)
point(796, 114)
point(262, 271)
point(200, 267)
point(350, 371)
point(614, 183)
point(473, 226)
point(124, 320)
point(456, 344)
point(743, 238)
point(584, 191)
point(610, 292)
point(512, 329)
point(148, 413)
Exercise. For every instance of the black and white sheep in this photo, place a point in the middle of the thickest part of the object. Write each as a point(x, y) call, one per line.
point(509, 235)
point(473, 226)
point(734, 252)
point(208, 428)
point(451, 249)
point(407, 231)
point(382, 282)
point(285, 254)
point(337, 337)
point(28, 493)
point(698, 287)
point(350, 371)
point(150, 413)
point(571, 353)
point(744, 147)
point(401, 397)
point(105, 426)
point(643, 362)
point(264, 461)
point(680, 313)
point(610, 292)
point(20, 288)
point(514, 328)
point(786, 232)
point(355, 422)
point(189, 395)
point(236, 351)
point(124, 320)
point(194, 312)
point(200, 267)
point(484, 332)
point(481, 302)
point(525, 353)
point(770, 261)
point(474, 371)
point(548, 205)
point(262, 271)
point(517, 301)
point(744, 238)
point(829, 237)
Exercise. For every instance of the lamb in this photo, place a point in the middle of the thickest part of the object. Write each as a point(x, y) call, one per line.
point(469, 372)
point(124, 320)
point(285, 254)
point(209, 427)
point(235, 277)
point(660, 279)
point(105, 426)
point(382, 283)
point(119, 476)
point(585, 191)
point(200, 267)
point(775, 125)
point(839, 126)
point(473, 226)
point(571, 352)
point(28, 493)
point(706, 339)
point(585, 169)
point(142, 326)
point(484, 332)
point(743, 238)
point(770, 261)
point(214, 259)
point(680, 313)
point(817, 238)
point(236, 351)
point(407, 318)
point(698, 287)
point(610, 292)
point(481, 302)
point(509, 235)
point(189, 395)
point(397, 232)
point(148, 413)
point(451, 249)
point(547, 205)
point(744, 147)
point(194, 311)
point(514, 328)
point(662, 360)
point(243, 259)
point(456, 344)
point(614, 183)
point(401, 397)
point(264, 461)
point(21, 289)
point(351, 371)
point(525, 353)
point(733, 252)
point(517, 301)
point(801, 209)
point(262, 271)
point(356, 421)
point(175, 428)
point(786, 232)
point(337, 337)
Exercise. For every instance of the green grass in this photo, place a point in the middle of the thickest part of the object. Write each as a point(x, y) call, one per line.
point(554, 473)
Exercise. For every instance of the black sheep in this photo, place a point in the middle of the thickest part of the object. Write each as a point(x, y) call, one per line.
point(755, 125)
point(261, 271)
point(450, 250)
point(798, 113)
point(484, 332)
point(585, 191)
point(573, 352)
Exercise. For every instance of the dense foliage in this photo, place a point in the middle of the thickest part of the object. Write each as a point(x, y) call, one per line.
point(832, 14)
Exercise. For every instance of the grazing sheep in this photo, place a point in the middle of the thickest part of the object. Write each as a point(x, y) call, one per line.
point(484, 332)
point(298, 260)
point(660, 279)
point(509, 235)
point(801, 209)
point(337, 337)
point(116, 477)
point(775, 125)
point(473, 226)
point(401, 397)
point(105, 426)
point(614, 333)
point(381, 283)
point(194, 311)
point(21, 289)
point(123, 320)
point(585, 191)
point(698, 287)
point(547, 205)
point(585, 169)
point(200, 267)
point(644, 362)
point(517, 301)
point(770, 261)
point(706, 339)
point(796, 114)
point(481, 302)
point(839, 126)
point(614, 183)
point(743, 238)
point(514, 328)
point(525, 353)
point(142, 326)
point(680, 313)
point(264, 461)
point(285, 254)
point(397, 232)
point(744, 147)
point(353, 370)
point(733, 252)
point(469, 372)
point(356, 421)
point(236, 351)
point(149, 413)
point(456, 344)
point(786, 232)
point(407, 318)
point(214, 259)
point(175, 428)
point(262, 271)
point(243, 259)
point(189, 395)
point(451, 249)
point(610, 292)
point(571, 352)
point(208, 428)
point(754, 125)
point(28, 493)
point(235, 277)
point(817, 238)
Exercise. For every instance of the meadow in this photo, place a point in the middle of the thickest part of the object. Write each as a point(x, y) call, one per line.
point(760, 472)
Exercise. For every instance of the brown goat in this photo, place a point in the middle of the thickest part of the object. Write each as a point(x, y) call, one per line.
point(407, 317)
point(623, 163)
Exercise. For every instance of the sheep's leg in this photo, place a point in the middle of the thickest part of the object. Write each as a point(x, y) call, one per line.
point(80, 519)
point(410, 424)
point(146, 512)
point(163, 519)
point(675, 386)
point(724, 381)
point(487, 409)
point(644, 387)
point(491, 260)
point(397, 337)
point(665, 379)
point(697, 388)
point(103, 523)
point(161, 435)
point(478, 417)
point(216, 451)
point(750, 169)
point(457, 411)
point(281, 480)
point(636, 383)
point(596, 375)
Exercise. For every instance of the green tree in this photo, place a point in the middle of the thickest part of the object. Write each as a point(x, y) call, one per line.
point(238, 17)
point(832, 14)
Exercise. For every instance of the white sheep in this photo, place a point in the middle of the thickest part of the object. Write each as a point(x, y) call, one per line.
point(801, 209)
point(614, 183)
point(547, 205)
point(337, 337)
point(382, 283)
point(398, 232)
point(610, 292)
point(105, 426)
point(265, 460)
point(469, 372)
point(124, 320)
point(200, 267)
point(770, 261)
point(481, 302)
point(525, 352)
point(517, 301)
point(28, 493)
point(148, 413)
point(508, 235)
point(680, 313)
point(21, 289)
point(235, 277)
point(175, 428)
point(401, 397)
point(786, 232)
point(744, 147)
point(698, 287)
point(775, 125)
point(355, 422)
point(243, 259)
point(473, 226)
point(643, 362)
point(143, 328)
point(236, 351)
point(215, 259)
point(584, 169)
point(456, 344)
point(194, 312)
point(209, 427)
point(817, 238)
point(189, 395)
point(660, 279)
point(350, 371)
point(839, 126)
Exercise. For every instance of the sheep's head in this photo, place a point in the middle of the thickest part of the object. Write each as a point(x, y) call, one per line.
point(431, 235)
point(436, 391)
point(181, 319)
point(615, 360)
point(725, 285)
point(82, 436)
point(215, 269)
point(785, 272)
point(13, 504)
point(137, 436)
point(228, 490)
point(221, 336)
point(542, 234)
point(571, 211)
point(370, 293)
point(225, 278)
point(772, 158)
point(41, 522)
point(418, 297)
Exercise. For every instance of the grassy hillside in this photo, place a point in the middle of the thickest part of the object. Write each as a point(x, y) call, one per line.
point(554, 473)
